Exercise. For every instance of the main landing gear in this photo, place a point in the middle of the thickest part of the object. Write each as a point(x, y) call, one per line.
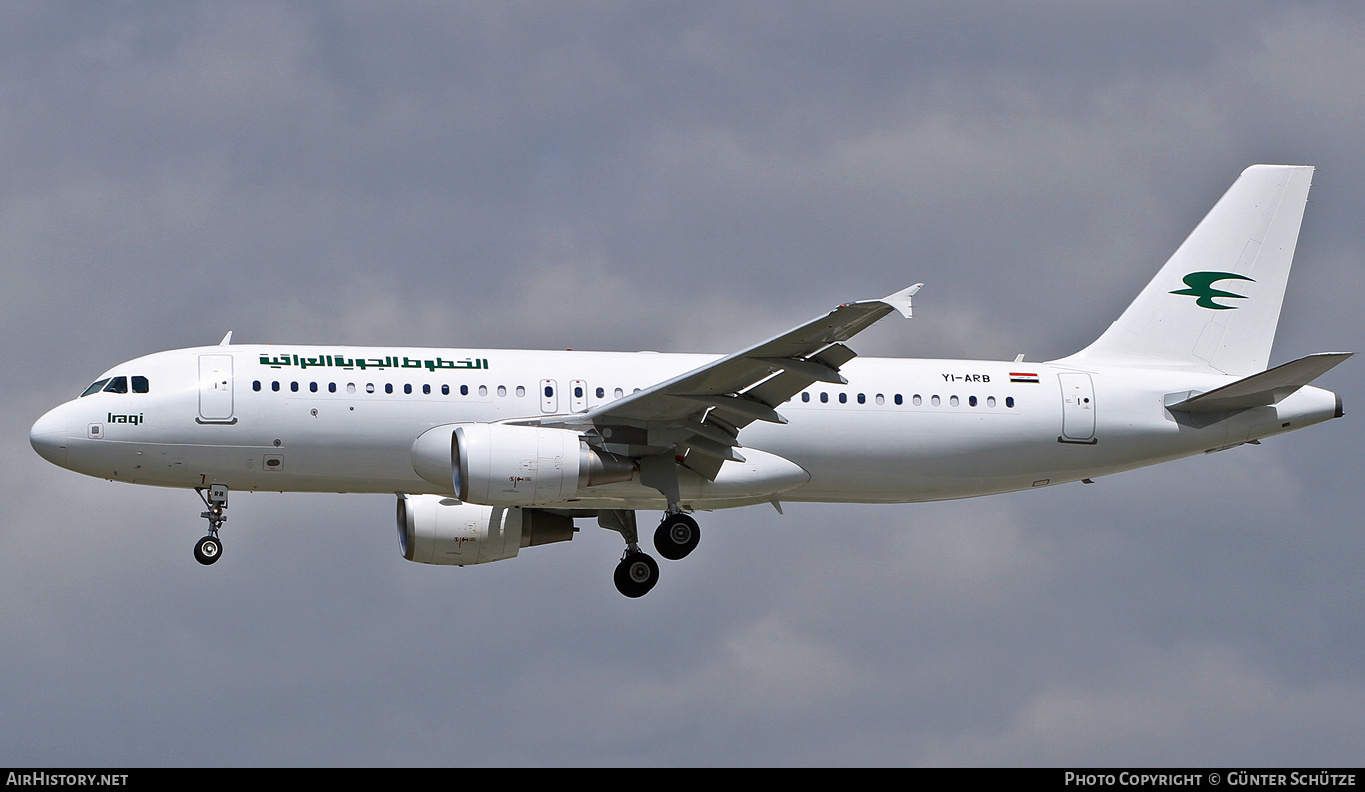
point(638, 572)
point(676, 536)
point(208, 549)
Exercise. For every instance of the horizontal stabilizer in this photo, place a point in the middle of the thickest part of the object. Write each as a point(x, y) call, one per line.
point(1258, 390)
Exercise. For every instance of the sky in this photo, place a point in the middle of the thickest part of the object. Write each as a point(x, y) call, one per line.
point(689, 177)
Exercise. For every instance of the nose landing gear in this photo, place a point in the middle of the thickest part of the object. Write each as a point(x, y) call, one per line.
point(208, 549)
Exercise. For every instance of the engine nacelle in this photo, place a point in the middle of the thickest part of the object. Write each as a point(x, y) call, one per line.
point(505, 465)
point(433, 529)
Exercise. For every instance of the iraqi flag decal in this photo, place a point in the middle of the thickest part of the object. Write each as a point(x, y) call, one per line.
point(1016, 376)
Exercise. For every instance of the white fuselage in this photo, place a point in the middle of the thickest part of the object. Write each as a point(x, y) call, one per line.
point(344, 419)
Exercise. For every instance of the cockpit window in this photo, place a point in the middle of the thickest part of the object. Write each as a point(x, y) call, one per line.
point(95, 387)
point(139, 384)
point(117, 385)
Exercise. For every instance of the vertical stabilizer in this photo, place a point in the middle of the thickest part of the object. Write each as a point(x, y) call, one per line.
point(1216, 303)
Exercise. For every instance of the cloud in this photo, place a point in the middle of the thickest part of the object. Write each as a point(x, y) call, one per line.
point(690, 178)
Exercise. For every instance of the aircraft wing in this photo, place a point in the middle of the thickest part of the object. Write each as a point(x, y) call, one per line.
point(699, 414)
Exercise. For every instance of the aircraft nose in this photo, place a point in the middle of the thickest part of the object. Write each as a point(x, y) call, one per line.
point(49, 437)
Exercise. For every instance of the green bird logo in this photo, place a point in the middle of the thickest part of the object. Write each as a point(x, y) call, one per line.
point(1201, 286)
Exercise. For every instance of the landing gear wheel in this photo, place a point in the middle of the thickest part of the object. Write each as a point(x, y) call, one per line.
point(208, 550)
point(636, 574)
point(676, 536)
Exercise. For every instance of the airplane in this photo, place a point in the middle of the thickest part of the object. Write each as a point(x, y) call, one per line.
point(492, 450)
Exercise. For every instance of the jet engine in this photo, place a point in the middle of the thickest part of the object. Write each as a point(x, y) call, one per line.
point(433, 529)
point(506, 465)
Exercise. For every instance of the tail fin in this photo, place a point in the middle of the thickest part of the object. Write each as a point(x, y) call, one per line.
point(1216, 302)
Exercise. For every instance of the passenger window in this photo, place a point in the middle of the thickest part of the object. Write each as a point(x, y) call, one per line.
point(117, 385)
point(445, 390)
point(862, 399)
point(331, 387)
point(502, 390)
point(407, 388)
point(805, 397)
point(1009, 401)
point(426, 389)
point(139, 384)
point(294, 387)
point(275, 386)
point(601, 392)
point(312, 387)
point(256, 385)
point(521, 390)
point(464, 390)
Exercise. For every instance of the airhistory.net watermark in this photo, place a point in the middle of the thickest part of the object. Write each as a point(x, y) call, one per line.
point(66, 779)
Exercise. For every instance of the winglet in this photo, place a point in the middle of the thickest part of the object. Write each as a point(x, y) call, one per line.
point(227, 339)
point(901, 299)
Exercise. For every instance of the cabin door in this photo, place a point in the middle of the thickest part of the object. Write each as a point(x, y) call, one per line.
point(215, 389)
point(1078, 408)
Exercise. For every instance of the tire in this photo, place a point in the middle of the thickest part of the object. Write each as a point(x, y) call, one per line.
point(676, 536)
point(636, 574)
point(208, 550)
